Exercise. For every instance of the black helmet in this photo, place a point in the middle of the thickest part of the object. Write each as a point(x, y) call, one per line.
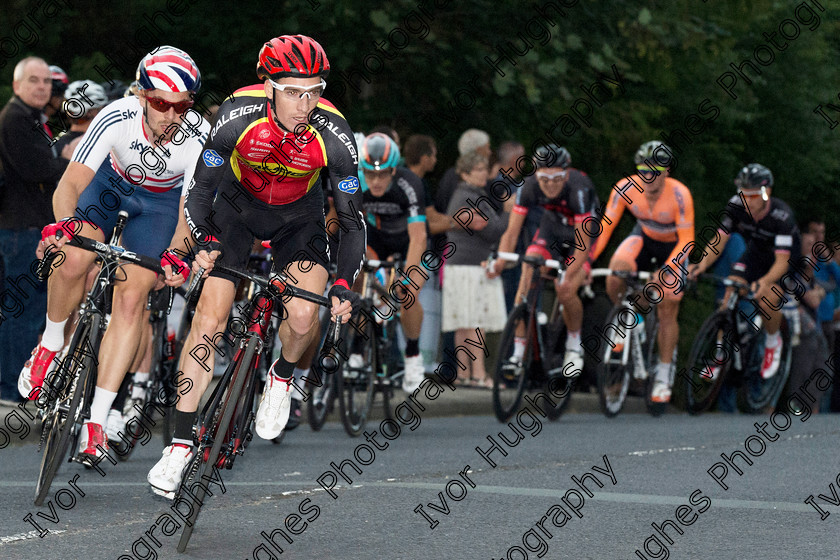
point(655, 152)
point(754, 176)
point(552, 155)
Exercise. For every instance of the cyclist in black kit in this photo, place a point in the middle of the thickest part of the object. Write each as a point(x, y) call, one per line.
point(772, 238)
point(263, 161)
point(566, 197)
point(394, 204)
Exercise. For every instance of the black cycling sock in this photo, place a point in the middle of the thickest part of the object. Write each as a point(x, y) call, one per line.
point(122, 393)
point(282, 368)
point(412, 347)
point(184, 425)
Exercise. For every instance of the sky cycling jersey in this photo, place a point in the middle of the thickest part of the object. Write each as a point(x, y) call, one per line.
point(248, 148)
point(118, 130)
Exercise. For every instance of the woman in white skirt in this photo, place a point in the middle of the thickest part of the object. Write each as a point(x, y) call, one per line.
point(471, 300)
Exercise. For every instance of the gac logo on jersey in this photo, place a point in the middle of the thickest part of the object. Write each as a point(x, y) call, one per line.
point(212, 159)
point(349, 185)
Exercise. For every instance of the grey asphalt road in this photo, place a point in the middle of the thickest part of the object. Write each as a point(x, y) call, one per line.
point(649, 468)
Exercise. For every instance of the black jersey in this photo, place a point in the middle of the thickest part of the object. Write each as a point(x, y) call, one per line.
point(776, 232)
point(402, 204)
point(576, 202)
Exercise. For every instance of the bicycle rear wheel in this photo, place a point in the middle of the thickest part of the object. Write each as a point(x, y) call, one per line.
point(355, 377)
point(216, 423)
point(756, 393)
point(615, 370)
point(512, 371)
point(70, 382)
point(322, 398)
point(709, 362)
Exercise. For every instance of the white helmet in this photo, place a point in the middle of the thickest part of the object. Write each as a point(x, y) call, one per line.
point(82, 96)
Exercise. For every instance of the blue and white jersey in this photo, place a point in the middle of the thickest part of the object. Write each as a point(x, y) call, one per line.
point(118, 131)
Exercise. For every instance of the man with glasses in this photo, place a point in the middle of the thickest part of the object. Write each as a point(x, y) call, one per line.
point(137, 156)
point(566, 197)
point(772, 238)
point(661, 240)
point(263, 163)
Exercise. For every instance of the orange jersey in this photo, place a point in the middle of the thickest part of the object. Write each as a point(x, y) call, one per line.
point(670, 219)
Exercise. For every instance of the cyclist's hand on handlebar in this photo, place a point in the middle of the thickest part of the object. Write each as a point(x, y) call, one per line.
point(344, 302)
point(175, 270)
point(211, 249)
point(67, 227)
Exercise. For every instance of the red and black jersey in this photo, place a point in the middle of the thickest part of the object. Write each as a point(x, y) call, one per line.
point(247, 147)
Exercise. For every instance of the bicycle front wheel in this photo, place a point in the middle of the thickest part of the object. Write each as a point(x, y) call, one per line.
point(356, 376)
point(709, 362)
point(512, 370)
point(757, 393)
point(614, 370)
point(217, 423)
point(70, 381)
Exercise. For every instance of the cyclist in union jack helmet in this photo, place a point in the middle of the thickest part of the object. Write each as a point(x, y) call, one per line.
point(137, 155)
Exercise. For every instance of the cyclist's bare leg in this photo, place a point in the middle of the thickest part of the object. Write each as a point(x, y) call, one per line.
point(771, 302)
point(669, 328)
point(567, 295)
point(66, 284)
point(615, 285)
point(210, 318)
point(411, 316)
point(300, 325)
point(125, 332)
point(143, 357)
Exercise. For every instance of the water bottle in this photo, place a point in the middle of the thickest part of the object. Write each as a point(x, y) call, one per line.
point(640, 327)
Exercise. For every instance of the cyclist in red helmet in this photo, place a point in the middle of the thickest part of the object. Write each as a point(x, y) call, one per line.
point(259, 177)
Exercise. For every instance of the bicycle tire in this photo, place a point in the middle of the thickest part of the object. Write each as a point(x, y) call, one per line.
point(228, 404)
point(700, 391)
point(61, 429)
point(755, 393)
point(355, 384)
point(613, 377)
point(510, 376)
point(555, 344)
point(321, 399)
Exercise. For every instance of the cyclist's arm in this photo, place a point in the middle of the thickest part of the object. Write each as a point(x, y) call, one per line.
point(343, 164)
point(709, 257)
point(209, 172)
point(514, 226)
point(412, 186)
point(613, 213)
point(685, 227)
point(74, 181)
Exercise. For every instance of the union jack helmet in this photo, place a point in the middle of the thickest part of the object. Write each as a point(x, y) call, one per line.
point(168, 69)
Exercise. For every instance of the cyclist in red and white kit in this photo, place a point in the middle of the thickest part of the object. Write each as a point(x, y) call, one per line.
point(263, 162)
point(136, 156)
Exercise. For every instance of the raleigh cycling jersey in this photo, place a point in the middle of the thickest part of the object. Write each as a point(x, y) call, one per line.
point(249, 149)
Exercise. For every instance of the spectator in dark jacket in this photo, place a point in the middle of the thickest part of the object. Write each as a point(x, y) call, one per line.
point(31, 170)
point(470, 299)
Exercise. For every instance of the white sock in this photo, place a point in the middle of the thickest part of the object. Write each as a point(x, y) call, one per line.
point(102, 401)
point(186, 442)
point(53, 339)
point(138, 390)
point(298, 374)
point(573, 340)
point(773, 340)
point(519, 346)
point(663, 372)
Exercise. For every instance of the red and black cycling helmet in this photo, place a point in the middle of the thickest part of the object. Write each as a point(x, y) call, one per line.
point(292, 56)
